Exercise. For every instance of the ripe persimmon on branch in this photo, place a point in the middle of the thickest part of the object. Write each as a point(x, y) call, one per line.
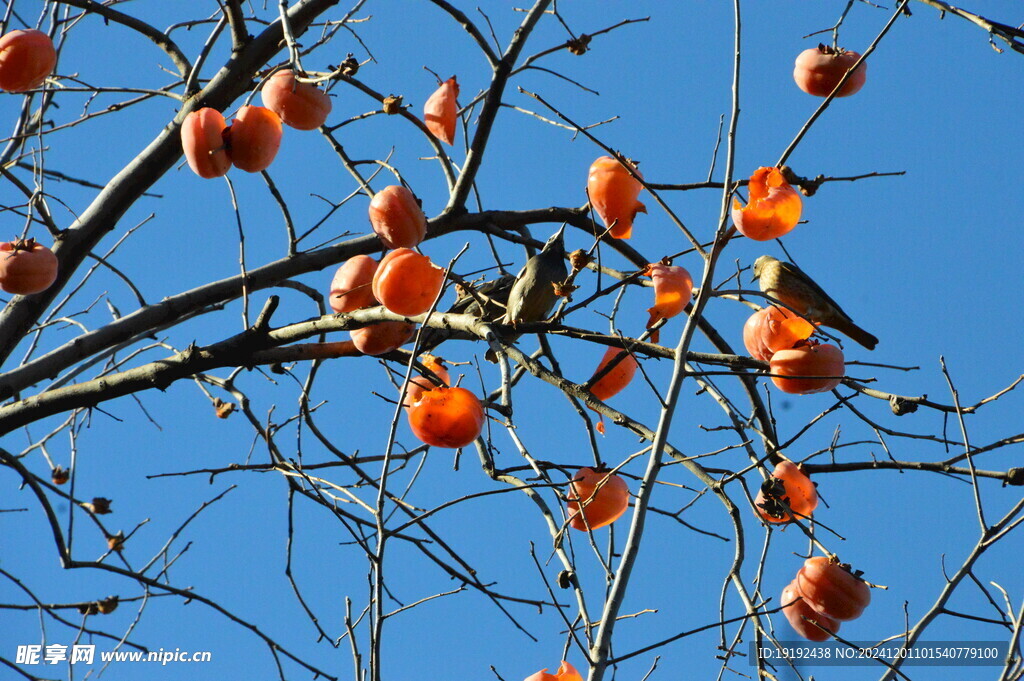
point(430, 267)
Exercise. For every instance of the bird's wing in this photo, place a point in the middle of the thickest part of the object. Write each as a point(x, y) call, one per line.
point(797, 272)
point(514, 302)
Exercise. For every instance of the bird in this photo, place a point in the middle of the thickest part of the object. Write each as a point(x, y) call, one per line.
point(533, 292)
point(527, 297)
point(788, 284)
point(493, 293)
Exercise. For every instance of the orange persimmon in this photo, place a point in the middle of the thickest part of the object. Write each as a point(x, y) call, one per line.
point(27, 57)
point(441, 110)
point(254, 138)
point(302, 106)
point(771, 329)
point(613, 195)
point(351, 285)
point(774, 206)
point(789, 484)
point(820, 367)
point(618, 377)
point(446, 417)
point(604, 497)
point(795, 609)
point(26, 267)
point(351, 289)
point(566, 672)
point(831, 589)
point(673, 287)
point(202, 140)
point(396, 217)
point(419, 384)
point(381, 337)
point(406, 282)
point(818, 71)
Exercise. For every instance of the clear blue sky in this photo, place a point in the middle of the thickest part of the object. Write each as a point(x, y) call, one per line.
point(928, 262)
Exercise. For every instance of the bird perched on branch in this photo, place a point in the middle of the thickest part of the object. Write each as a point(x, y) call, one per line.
point(492, 294)
point(533, 293)
point(525, 298)
point(788, 284)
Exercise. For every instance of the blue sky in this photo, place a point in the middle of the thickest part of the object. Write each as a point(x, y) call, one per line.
point(927, 261)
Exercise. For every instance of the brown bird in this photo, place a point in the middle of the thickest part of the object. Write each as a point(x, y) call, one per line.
point(786, 283)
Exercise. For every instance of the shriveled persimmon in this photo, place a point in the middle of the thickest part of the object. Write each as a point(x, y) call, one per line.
point(299, 105)
point(787, 486)
point(808, 368)
point(381, 337)
point(795, 608)
point(566, 672)
point(441, 109)
point(446, 417)
point(830, 588)
point(419, 384)
point(613, 195)
point(27, 57)
point(596, 498)
point(254, 138)
point(396, 217)
point(818, 71)
point(673, 288)
point(202, 140)
point(351, 287)
point(406, 282)
point(26, 267)
point(771, 329)
point(773, 209)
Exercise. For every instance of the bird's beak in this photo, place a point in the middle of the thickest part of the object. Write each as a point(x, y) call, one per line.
point(556, 240)
point(754, 278)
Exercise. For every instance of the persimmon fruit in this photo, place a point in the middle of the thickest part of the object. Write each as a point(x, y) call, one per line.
point(441, 110)
point(202, 140)
point(351, 287)
point(796, 609)
point(566, 672)
point(396, 217)
point(807, 368)
point(406, 282)
point(26, 267)
point(789, 484)
point(613, 195)
point(673, 288)
point(613, 382)
point(27, 57)
point(831, 589)
point(818, 71)
point(773, 209)
point(420, 384)
point(381, 337)
point(254, 138)
point(604, 497)
point(299, 105)
point(771, 329)
point(447, 417)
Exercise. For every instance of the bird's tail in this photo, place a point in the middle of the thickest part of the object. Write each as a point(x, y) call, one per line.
point(855, 332)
